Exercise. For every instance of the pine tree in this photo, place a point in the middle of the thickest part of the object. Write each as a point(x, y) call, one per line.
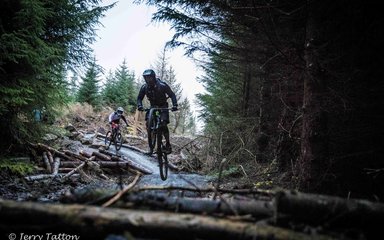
point(109, 93)
point(38, 39)
point(167, 74)
point(89, 89)
point(126, 95)
point(187, 121)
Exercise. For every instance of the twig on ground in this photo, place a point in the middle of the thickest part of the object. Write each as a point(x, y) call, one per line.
point(120, 193)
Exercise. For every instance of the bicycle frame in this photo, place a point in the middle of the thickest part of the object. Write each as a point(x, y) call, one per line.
point(155, 135)
point(114, 136)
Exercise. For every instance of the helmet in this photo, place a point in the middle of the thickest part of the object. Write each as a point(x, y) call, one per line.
point(149, 72)
point(120, 110)
point(149, 77)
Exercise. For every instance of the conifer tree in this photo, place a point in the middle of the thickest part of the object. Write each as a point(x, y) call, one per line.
point(125, 89)
point(89, 88)
point(109, 93)
point(182, 119)
point(38, 39)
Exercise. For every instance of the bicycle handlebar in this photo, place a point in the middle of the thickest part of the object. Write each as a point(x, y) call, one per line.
point(156, 108)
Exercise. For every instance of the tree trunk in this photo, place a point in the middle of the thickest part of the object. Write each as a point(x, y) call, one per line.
point(314, 140)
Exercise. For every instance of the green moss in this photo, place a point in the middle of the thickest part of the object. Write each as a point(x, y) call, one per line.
point(231, 172)
point(15, 167)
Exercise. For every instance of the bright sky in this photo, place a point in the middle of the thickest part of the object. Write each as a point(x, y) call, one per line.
point(129, 34)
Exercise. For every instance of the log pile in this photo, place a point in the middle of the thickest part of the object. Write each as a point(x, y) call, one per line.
point(286, 215)
point(90, 222)
point(65, 164)
point(156, 212)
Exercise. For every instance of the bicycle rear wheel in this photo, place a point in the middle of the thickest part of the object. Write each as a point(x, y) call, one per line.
point(118, 141)
point(107, 140)
point(162, 158)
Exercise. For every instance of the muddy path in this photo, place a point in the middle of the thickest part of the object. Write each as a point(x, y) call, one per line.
point(175, 178)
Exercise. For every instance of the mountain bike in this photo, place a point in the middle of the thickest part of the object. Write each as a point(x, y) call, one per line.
point(156, 140)
point(114, 136)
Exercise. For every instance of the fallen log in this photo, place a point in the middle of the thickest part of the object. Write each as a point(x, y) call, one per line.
point(65, 170)
point(76, 156)
point(56, 164)
point(101, 156)
point(46, 162)
point(256, 208)
point(110, 164)
point(72, 164)
point(75, 170)
point(43, 177)
point(90, 222)
point(50, 158)
point(330, 211)
point(85, 154)
point(43, 147)
point(103, 151)
point(125, 164)
point(259, 192)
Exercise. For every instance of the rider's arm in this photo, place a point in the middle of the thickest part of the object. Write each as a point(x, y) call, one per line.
point(110, 118)
point(125, 120)
point(141, 95)
point(171, 94)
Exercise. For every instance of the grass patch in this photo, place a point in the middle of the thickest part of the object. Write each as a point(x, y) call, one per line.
point(16, 168)
point(230, 172)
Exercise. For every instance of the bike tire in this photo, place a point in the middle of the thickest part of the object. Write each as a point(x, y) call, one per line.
point(118, 141)
point(151, 124)
point(107, 140)
point(162, 158)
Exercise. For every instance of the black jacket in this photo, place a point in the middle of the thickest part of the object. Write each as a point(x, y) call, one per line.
point(157, 95)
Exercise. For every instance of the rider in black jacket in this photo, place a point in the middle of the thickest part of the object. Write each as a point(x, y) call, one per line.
point(157, 93)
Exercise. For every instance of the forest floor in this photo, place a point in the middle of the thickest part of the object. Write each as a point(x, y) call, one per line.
point(78, 130)
point(74, 131)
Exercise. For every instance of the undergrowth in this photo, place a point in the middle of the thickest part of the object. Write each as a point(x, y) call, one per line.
point(16, 167)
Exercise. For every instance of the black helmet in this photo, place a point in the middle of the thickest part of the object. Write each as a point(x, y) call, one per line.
point(149, 72)
point(149, 77)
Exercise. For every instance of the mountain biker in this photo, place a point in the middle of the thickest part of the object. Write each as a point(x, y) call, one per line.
point(114, 117)
point(157, 93)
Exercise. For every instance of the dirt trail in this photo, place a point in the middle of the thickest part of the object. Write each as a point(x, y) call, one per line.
point(174, 179)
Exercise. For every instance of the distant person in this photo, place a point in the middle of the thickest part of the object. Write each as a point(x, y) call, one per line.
point(114, 117)
point(37, 115)
point(157, 93)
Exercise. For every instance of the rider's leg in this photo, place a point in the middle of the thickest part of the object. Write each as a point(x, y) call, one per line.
point(168, 147)
point(166, 134)
point(164, 123)
point(150, 151)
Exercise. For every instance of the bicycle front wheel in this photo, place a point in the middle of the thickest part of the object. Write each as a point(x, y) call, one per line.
point(162, 158)
point(108, 140)
point(118, 141)
point(163, 165)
